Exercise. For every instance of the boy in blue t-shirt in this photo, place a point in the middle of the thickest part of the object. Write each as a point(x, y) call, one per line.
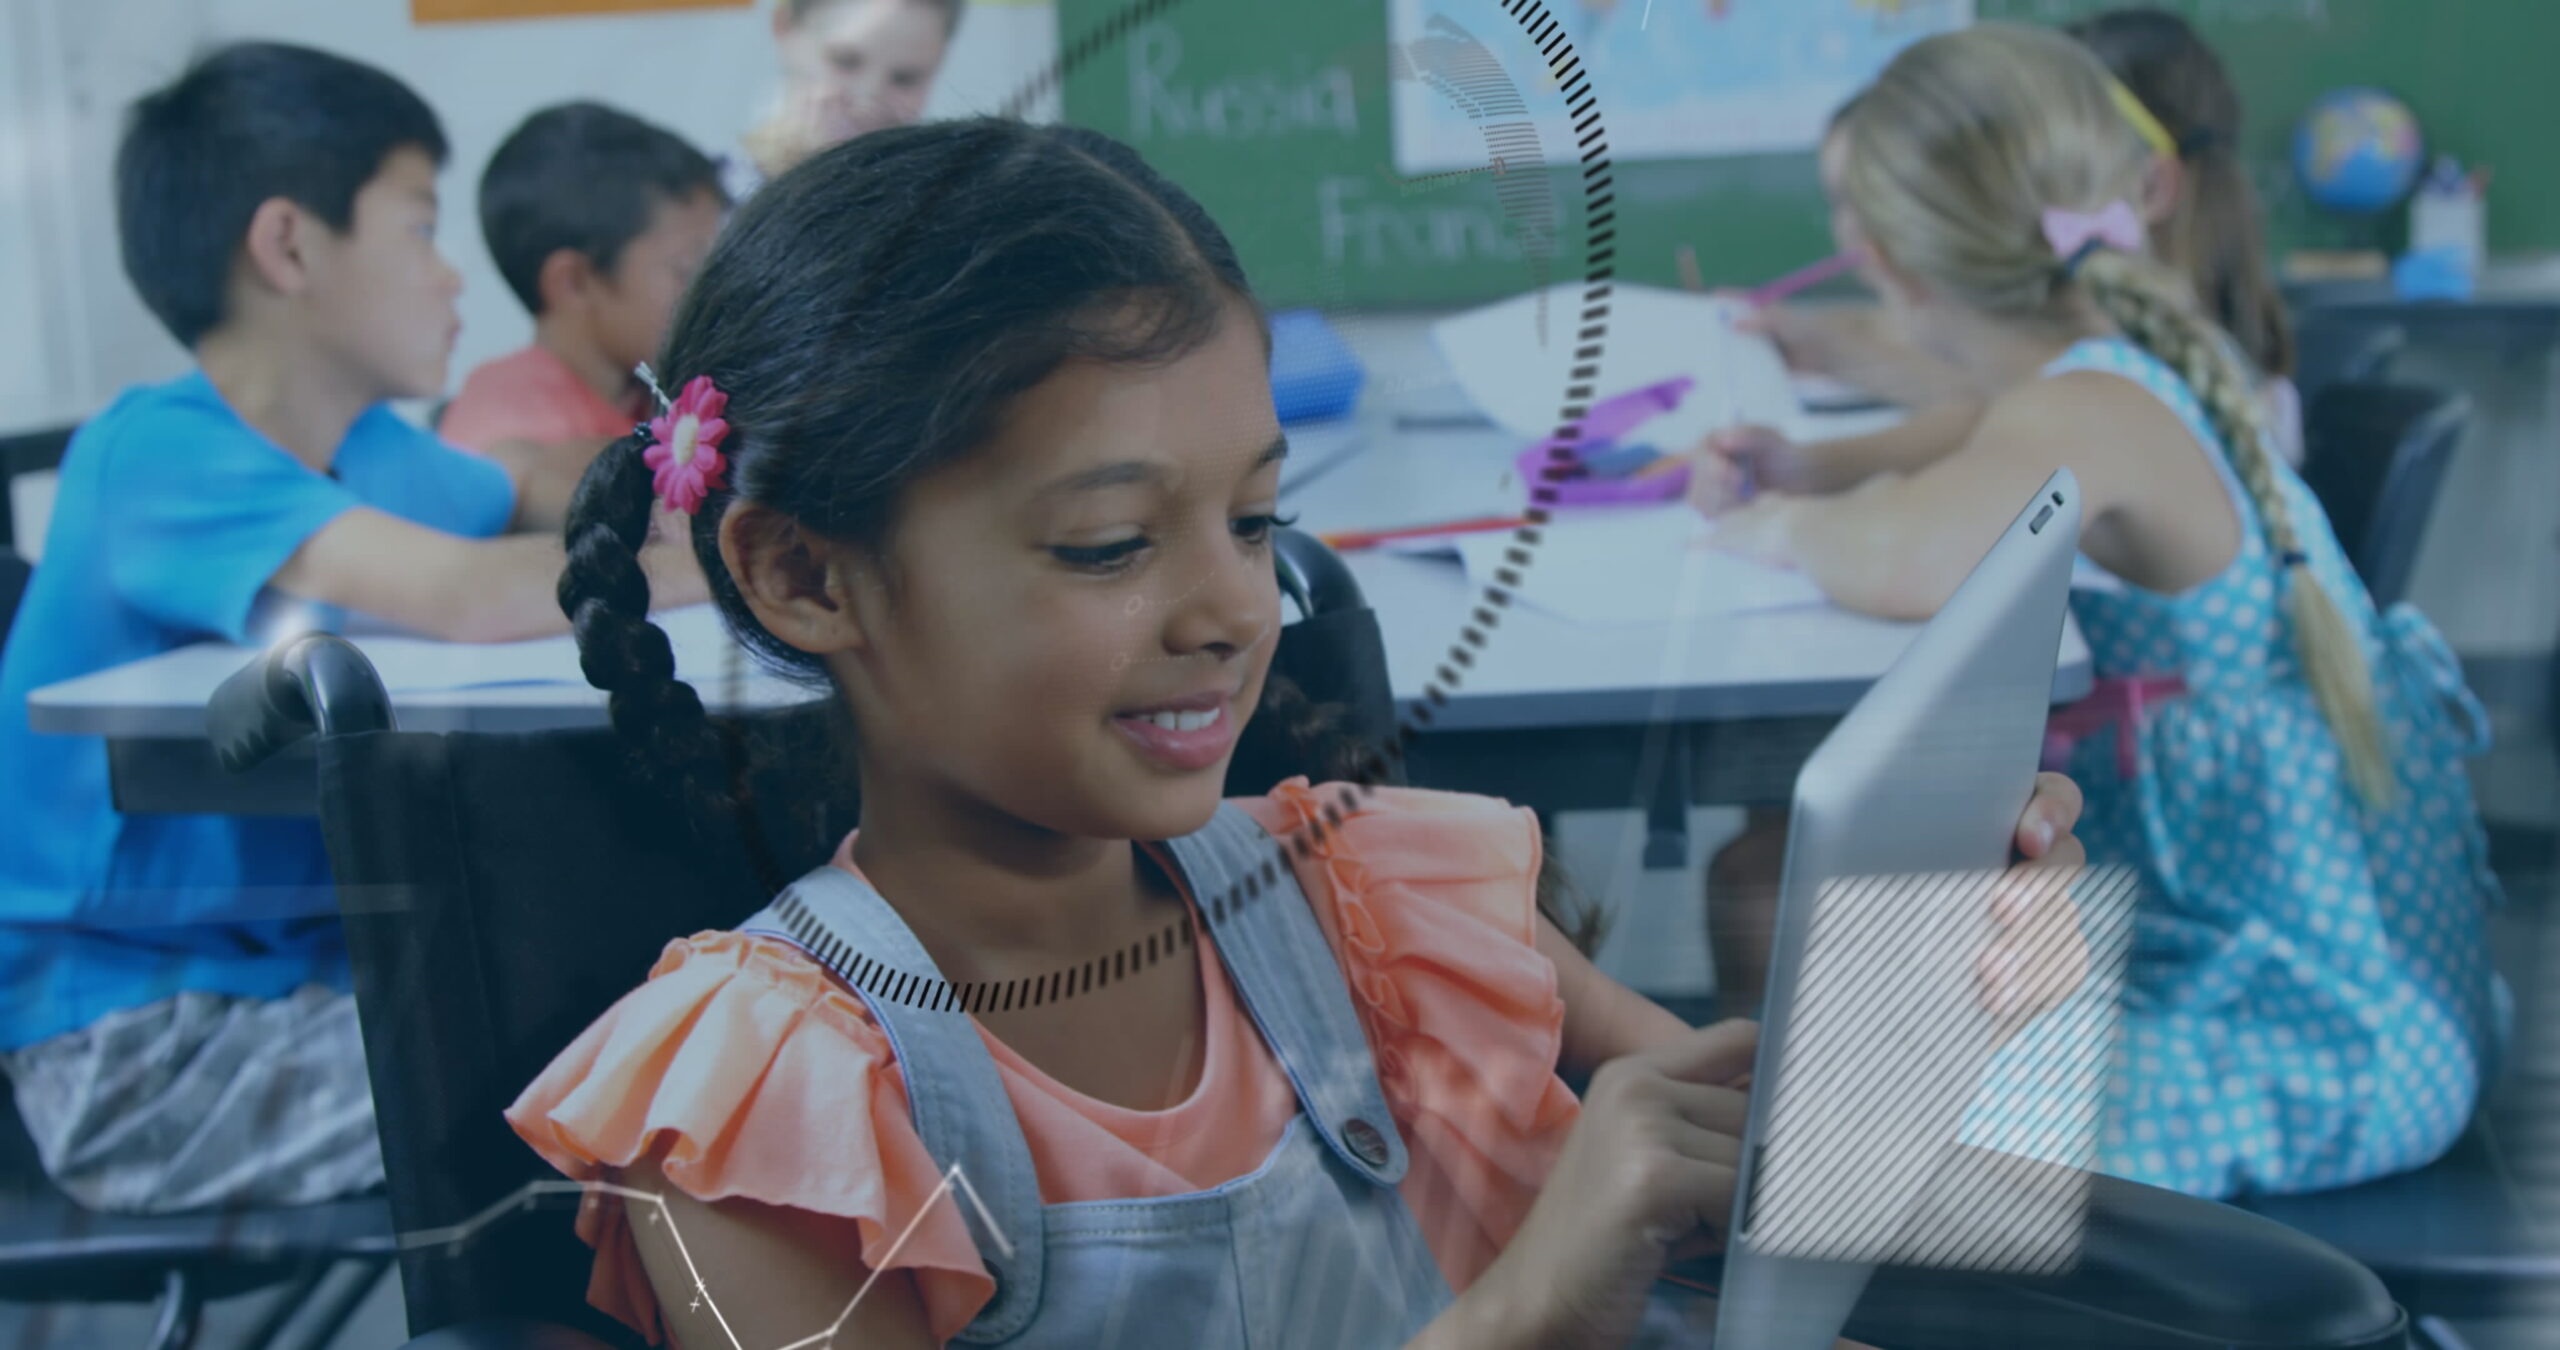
point(177, 1028)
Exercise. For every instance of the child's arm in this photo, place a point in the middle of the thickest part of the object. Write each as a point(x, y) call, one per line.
point(1604, 1019)
point(737, 1272)
point(545, 476)
point(1899, 544)
point(1912, 444)
point(1818, 468)
point(454, 588)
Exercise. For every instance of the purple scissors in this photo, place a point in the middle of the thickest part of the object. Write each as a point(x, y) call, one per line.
point(1607, 422)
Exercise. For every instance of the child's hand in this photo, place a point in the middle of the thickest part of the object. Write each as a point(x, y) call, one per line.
point(1648, 1167)
point(2038, 957)
point(1730, 462)
point(1758, 531)
point(2053, 812)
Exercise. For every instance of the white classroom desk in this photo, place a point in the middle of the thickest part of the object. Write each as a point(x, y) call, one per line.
point(1538, 669)
point(164, 696)
point(1539, 673)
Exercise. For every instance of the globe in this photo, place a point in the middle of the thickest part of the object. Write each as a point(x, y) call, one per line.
point(2357, 150)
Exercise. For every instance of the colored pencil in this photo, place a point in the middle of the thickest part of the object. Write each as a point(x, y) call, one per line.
point(1348, 540)
point(1663, 465)
point(1802, 278)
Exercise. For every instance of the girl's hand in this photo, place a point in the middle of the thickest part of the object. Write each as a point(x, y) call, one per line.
point(1758, 531)
point(1648, 1167)
point(1728, 463)
point(811, 117)
point(2038, 957)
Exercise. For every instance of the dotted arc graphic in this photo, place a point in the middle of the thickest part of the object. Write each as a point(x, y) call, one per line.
point(1451, 61)
point(1529, 200)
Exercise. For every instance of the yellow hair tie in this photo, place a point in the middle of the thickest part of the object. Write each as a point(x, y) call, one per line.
point(2144, 124)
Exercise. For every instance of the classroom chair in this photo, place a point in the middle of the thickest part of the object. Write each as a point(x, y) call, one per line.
point(25, 453)
point(2376, 454)
point(486, 935)
point(2472, 1236)
point(53, 1251)
point(2331, 348)
point(14, 576)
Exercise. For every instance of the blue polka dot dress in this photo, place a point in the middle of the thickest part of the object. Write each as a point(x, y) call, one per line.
point(2308, 1001)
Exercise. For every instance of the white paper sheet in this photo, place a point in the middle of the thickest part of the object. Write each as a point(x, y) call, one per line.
point(1633, 565)
point(1516, 359)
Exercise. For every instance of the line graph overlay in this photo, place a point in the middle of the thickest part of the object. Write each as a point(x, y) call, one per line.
point(453, 1236)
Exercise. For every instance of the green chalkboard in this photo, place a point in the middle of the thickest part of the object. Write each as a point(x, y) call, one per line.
point(1276, 114)
point(2477, 72)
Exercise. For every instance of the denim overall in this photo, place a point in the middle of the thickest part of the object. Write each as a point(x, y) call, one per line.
point(1312, 1248)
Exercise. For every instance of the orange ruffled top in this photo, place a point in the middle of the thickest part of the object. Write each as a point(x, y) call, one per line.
point(768, 1079)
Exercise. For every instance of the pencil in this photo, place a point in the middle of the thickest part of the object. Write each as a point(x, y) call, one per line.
point(1661, 465)
point(1348, 540)
point(1801, 278)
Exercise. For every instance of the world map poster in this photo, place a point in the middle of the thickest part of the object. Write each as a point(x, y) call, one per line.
point(473, 11)
point(1674, 79)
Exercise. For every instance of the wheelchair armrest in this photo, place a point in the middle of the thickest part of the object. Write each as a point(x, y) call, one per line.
point(1319, 572)
point(2157, 1271)
point(313, 683)
point(507, 1334)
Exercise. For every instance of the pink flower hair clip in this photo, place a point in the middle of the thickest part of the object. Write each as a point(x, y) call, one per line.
point(683, 454)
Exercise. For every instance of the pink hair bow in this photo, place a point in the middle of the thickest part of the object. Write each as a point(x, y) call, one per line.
point(2071, 232)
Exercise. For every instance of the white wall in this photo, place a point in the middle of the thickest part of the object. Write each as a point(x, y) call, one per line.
point(67, 72)
point(71, 332)
point(22, 381)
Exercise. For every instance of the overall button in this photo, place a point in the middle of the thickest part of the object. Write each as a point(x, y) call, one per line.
point(1364, 1141)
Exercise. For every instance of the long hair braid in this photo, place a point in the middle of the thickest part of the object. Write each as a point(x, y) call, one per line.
point(1954, 154)
point(605, 593)
point(2150, 307)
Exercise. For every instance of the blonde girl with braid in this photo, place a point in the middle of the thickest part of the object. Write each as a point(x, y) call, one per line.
point(2201, 218)
point(2312, 1002)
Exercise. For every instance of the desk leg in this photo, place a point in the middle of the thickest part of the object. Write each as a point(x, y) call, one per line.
point(1666, 836)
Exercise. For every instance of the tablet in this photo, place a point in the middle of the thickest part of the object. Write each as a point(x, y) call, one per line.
point(1874, 1040)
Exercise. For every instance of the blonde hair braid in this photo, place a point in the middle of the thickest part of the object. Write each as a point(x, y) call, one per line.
point(2152, 310)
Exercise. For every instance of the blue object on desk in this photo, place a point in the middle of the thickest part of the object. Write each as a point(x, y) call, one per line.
point(2433, 274)
point(1618, 461)
point(1313, 373)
